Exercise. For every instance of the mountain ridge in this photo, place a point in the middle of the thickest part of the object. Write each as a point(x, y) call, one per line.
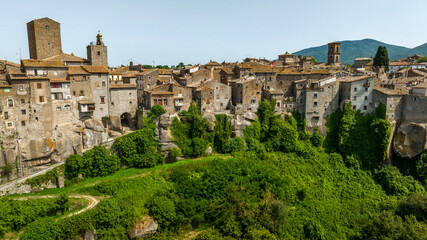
point(351, 49)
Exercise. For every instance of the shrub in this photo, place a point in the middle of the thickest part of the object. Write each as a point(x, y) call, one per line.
point(416, 205)
point(394, 183)
point(236, 144)
point(175, 153)
point(163, 210)
point(44, 228)
point(222, 132)
point(6, 170)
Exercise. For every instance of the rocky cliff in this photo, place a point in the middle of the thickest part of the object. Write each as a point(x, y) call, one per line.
point(410, 139)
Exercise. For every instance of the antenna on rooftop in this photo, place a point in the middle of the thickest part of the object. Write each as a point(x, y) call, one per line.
point(20, 54)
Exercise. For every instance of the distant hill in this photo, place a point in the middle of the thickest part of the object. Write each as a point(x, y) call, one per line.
point(363, 48)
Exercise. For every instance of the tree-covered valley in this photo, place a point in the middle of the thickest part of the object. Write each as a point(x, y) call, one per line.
point(277, 181)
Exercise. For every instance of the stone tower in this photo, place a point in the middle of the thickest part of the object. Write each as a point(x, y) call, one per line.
point(44, 38)
point(97, 54)
point(334, 51)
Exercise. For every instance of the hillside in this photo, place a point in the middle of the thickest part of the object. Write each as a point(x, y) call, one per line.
point(351, 49)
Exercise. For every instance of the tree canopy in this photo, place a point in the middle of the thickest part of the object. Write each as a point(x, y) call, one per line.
point(381, 58)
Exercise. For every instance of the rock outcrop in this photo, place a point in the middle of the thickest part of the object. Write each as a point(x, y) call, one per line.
point(410, 139)
point(146, 227)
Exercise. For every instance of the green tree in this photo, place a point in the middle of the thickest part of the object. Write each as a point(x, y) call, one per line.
point(155, 112)
point(74, 165)
point(6, 170)
point(63, 202)
point(222, 132)
point(381, 58)
point(422, 59)
point(99, 161)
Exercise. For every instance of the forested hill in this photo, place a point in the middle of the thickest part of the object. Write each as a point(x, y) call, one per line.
point(351, 49)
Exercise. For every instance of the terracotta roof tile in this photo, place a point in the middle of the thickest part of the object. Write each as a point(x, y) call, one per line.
point(40, 63)
point(95, 69)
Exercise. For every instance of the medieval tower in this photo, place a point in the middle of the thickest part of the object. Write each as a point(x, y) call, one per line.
point(44, 38)
point(334, 51)
point(97, 54)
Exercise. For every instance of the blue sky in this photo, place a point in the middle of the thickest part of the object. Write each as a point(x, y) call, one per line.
point(168, 32)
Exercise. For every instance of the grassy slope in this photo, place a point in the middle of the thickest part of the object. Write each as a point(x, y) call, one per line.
point(338, 199)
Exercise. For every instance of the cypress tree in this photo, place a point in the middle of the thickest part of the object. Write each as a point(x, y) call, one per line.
point(381, 58)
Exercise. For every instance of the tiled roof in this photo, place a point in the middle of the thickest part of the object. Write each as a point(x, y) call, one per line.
point(58, 80)
point(5, 62)
point(388, 91)
point(122, 85)
point(165, 71)
point(119, 71)
point(255, 67)
point(40, 63)
point(64, 57)
point(95, 69)
point(294, 71)
point(354, 78)
point(130, 74)
point(212, 63)
point(77, 70)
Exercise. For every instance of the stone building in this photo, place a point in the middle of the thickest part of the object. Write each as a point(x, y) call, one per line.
point(215, 97)
point(361, 62)
point(172, 97)
point(358, 90)
point(316, 100)
point(97, 53)
point(334, 52)
point(246, 93)
point(44, 38)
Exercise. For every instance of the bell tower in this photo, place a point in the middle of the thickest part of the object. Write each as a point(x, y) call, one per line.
point(334, 52)
point(97, 54)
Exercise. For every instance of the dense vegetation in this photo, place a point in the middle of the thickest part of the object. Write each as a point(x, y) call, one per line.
point(280, 183)
point(355, 136)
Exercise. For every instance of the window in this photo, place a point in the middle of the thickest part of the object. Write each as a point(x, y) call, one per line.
point(315, 104)
point(366, 97)
point(315, 95)
point(57, 96)
point(365, 107)
point(366, 89)
point(67, 107)
point(7, 90)
point(74, 93)
point(41, 99)
point(130, 102)
point(82, 93)
point(22, 123)
point(99, 53)
point(165, 102)
point(37, 118)
point(354, 107)
point(9, 124)
point(102, 99)
point(253, 101)
point(39, 85)
point(130, 94)
point(58, 109)
point(354, 98)
point(56, 85)
point(99, 74)
point(22, 101)
point(103, 83)
point(55, 72)
point(355, 89)
point(10, 102)
point(112, 103)
point(217, 96)
point(23, 111)
point(47, 27)
point(6, 115)
point(21, 87)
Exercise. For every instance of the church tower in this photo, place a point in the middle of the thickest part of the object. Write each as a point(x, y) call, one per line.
point(97, 54)
point(334, 52)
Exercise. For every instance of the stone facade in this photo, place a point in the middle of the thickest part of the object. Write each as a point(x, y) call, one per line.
point(358, 90)
point(334, 53)
point(44, 38)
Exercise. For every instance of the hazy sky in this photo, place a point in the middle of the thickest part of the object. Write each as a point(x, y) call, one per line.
point(169, 32)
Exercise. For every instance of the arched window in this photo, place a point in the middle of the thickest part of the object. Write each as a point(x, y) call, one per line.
point(338, 49)
point(67, 107)
point(332, 49)
point(336, 59)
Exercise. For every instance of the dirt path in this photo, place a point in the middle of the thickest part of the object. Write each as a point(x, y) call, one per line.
point(92, 201)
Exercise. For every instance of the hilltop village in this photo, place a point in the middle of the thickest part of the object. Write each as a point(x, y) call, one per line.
point(56, 104)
